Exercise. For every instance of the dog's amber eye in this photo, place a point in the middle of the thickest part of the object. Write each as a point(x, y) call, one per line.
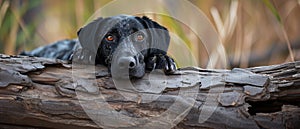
point(110, 38)
point(139, 37)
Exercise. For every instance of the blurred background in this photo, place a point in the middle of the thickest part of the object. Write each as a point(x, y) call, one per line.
point(254, 33)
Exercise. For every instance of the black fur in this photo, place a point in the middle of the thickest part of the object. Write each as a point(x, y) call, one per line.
point(60, 50)
point(124, 52)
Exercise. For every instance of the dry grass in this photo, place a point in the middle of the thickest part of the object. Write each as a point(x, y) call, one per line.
point(247, 29)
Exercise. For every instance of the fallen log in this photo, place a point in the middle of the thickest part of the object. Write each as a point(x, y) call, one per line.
point(47, 93)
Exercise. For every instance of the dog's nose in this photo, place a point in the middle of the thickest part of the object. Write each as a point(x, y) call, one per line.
point(127, 62)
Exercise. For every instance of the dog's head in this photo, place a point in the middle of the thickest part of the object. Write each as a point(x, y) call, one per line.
point(124, 42)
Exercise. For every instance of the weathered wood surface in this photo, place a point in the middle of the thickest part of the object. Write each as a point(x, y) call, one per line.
point(41, 93)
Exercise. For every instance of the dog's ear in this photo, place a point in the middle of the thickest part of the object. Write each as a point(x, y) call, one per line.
point(89, 36)
point(160, 35)
point(78, 31)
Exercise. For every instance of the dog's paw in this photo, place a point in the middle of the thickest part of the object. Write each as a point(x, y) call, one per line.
point(164, 62)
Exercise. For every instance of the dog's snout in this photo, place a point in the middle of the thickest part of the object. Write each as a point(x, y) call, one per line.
point(131, 65)
point(127, 62)
point(140, 58)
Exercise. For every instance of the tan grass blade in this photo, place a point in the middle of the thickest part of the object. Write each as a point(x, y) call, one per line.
point(225, 30)
point(3, 10)
point(218, 20)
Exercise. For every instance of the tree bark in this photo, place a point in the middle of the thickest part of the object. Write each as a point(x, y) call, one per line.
point(47, 93)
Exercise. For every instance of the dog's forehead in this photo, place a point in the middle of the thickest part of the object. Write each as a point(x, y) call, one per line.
point(126, 22)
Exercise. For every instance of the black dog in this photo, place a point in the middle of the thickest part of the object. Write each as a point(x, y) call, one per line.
point(121, 42)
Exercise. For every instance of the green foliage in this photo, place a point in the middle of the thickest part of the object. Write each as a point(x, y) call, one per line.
point(272, 9)
point(14, 31)
point(282, 28)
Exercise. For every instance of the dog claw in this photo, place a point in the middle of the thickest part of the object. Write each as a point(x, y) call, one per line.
point(163, 62)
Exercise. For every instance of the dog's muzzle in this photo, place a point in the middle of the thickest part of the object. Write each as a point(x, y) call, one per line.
point(127, 63)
